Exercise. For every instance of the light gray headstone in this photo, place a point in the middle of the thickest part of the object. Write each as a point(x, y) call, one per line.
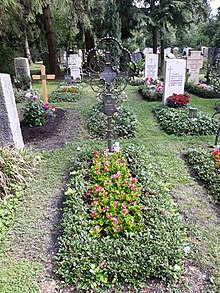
point(151, 66)
point(194, 64)
point(75, 63)
point(22, 68)
point(10, 131)
point(174, 79)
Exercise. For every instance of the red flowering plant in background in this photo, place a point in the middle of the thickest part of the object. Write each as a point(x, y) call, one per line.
point(154, 85)
point(178, 100)
point(114, 196)
point(216, 154)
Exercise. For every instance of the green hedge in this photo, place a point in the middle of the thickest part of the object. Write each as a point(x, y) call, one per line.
point(150, 96)
point(101, 263)
point(202, 162)
point(201, 92)
point(176, 121)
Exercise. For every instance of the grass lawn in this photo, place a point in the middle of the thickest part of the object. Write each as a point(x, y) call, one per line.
point(24, 270)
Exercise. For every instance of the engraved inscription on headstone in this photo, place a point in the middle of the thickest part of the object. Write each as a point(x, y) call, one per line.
point(108, 74)
point(151, 66)
point(194, 64)
point(174, 78)
point(109, 106)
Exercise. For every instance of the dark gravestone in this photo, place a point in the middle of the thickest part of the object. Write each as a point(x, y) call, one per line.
point(109, 106)
point(108, 74)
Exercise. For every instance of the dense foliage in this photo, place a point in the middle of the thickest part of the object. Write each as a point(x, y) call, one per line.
point(200, 92)
point(204, 164)
point(16, 169)
point(124, 122)
point(152, 90)
point(176, 121)
point(98, 263)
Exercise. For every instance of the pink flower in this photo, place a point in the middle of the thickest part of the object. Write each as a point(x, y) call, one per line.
point(93, 159)
point(124, 211)
point(130, 200)
point(136, 194)
point(133, 180)
point(109, 217)
point(105, 209)
point(115, 203)
point(95, 199)
point(140, 208)
point(116, 175)
point(132, 221)
point(125, 182)
point(106, 169)
point(95, 152)
point(96, 228)
point(106, 163)
point(93, 214)
point(116, 228)
point(124, 205)
point(115, 220)
point(98, 188)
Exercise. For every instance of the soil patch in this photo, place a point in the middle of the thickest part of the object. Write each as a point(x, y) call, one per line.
point(58, 131)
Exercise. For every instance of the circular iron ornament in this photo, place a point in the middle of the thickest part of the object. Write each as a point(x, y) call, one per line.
point(97, 85)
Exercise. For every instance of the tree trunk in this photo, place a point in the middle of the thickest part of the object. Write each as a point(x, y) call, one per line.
point(89, 40)
point(51, 44)
point(162, 55)
point(27, 52)
point(154, 28)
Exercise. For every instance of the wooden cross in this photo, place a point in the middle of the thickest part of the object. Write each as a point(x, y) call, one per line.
point(44, 79)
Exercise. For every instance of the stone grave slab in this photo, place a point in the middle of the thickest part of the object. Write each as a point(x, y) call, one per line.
point(10, 131)
point(22, 69)
point(151, 66)
point(74, 63)
point(194, 64)
point(174, 78)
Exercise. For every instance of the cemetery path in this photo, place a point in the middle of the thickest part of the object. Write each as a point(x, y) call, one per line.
point(56, 133)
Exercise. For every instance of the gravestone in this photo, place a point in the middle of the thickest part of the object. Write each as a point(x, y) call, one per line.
point(151, 66)
point(74, 63)
point(194, 64)
point(174, 79)
point(109, 65)
point(205, 53)
point(136, 56)
point(22, 70)
point(176, 52)
point(10, 131)
point(148, 51)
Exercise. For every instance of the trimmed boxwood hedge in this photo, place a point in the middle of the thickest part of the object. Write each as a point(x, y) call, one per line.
point(101, 263)
point(203, 163)
point(201, 92)
point(176, 121)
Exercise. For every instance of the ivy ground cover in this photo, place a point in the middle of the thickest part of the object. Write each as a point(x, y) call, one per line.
point(108, 245)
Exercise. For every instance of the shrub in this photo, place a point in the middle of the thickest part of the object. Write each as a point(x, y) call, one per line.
point(99, 262)
point(204, 164)
point(201, 92)
point(136, 81)
point(124, 123)
point(34, 113)
point(20, 95)
point(176, 121)
point(16, 170)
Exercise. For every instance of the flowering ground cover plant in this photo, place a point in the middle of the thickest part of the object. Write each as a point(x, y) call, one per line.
point(114, 196)
point(152, 247)
point(216, 154)
point(201, 91)
point(176, 121)
point(152, 89)
point(178, 100)
point(65, 93)
point(206, 164)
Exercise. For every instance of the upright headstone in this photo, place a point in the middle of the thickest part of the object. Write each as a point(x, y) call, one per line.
point(151, 66)
point(10, 131)
point(194, 64)
point(136, 56)
point(174, 79)
point(22, 70)
point(176, 52)
point(74, 63)
point(148, 51)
